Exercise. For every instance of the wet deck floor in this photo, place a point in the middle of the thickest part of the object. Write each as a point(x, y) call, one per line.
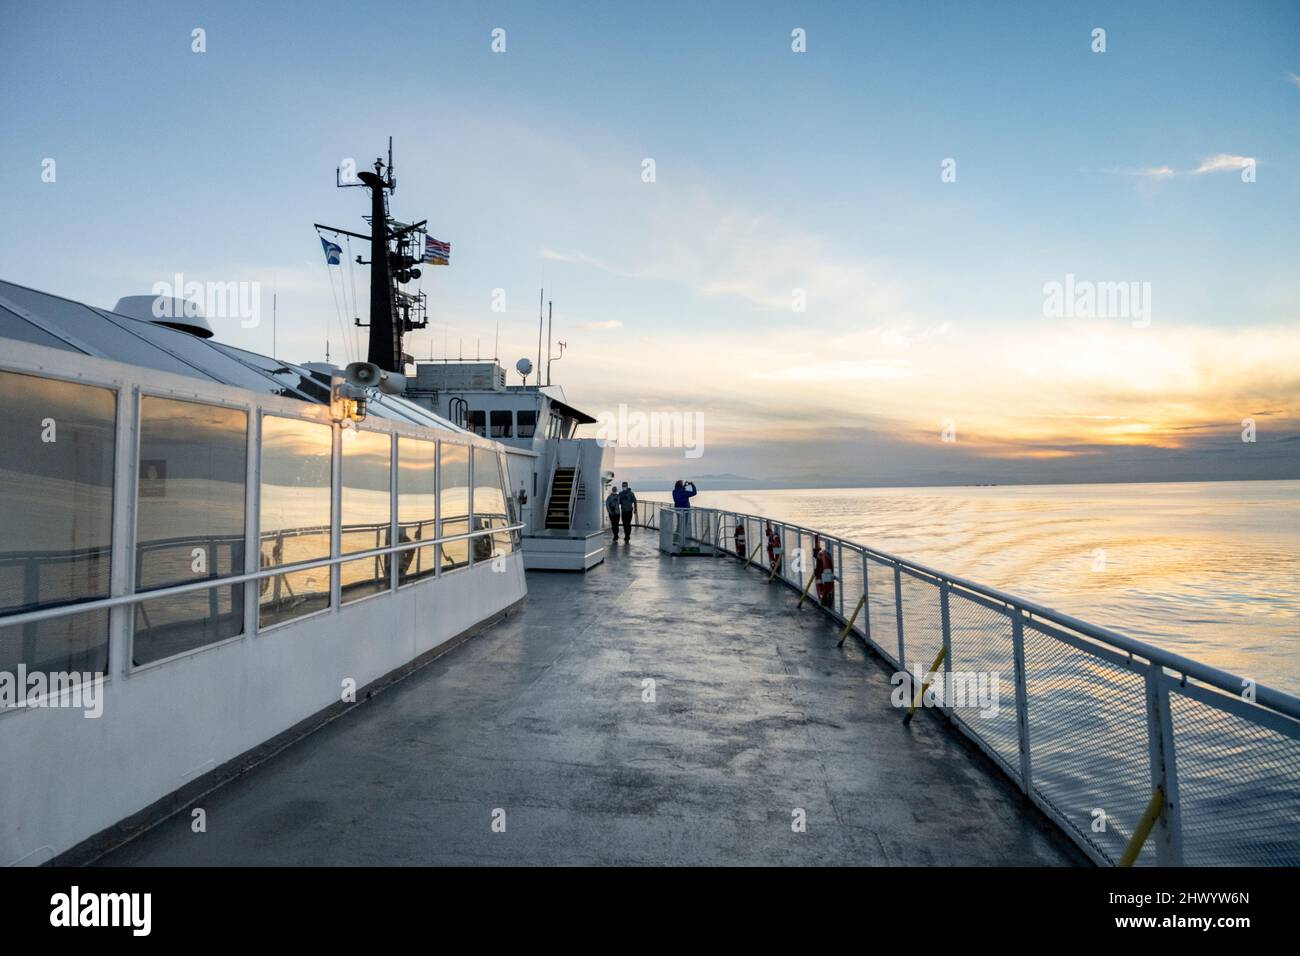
point(756, 714)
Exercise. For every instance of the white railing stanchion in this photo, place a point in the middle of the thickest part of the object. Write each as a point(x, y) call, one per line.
point(1022, 700)
point(1168, 831)
point(945, 621)
point(839, 570)
point(866, 604)
point(898, 615)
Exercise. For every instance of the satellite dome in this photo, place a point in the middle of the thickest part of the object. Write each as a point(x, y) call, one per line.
point(180, 314)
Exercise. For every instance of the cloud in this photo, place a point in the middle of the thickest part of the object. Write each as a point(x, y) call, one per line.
point(1222, 162)
point(591, 262)
point(1294, 79)
point(841, 371)
point(1218, 163)
point(1149, 172)
point(1050, 390)
point(607, 324)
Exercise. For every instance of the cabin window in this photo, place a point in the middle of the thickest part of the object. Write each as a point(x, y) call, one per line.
point(417, 506)
point(489, 502)
point(56, 462)
point(453, 503)
point(476, 422)
point(189, 524)
point(507, 540)
point(366, 502)
point(527, 423)
point(295, 516)
point(501, 424)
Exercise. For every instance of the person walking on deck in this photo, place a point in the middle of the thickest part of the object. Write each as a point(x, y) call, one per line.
point(611, 506)
point(627, 502)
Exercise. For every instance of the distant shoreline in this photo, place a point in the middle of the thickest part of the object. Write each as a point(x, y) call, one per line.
point(659, 484)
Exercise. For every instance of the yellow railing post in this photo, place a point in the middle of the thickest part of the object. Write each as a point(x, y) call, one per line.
point(916, 701)
point(776, 566)
point(811, 579)
point(750, 559)
point(849, 626)
point(1154, 809)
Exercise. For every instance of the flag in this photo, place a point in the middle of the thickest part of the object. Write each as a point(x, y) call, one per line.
point(436, 252)
point(332, 252)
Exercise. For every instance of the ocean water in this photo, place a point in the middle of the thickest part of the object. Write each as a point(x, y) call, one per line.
point(1210, 570)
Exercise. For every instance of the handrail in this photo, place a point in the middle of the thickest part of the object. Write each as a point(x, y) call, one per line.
point(99, 604)
point(573, 493)
point(550, 484)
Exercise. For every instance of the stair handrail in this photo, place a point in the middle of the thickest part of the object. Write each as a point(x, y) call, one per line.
point(573, 492)
point(550, 484)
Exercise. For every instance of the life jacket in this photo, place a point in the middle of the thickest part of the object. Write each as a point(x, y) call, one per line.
point(740, 539)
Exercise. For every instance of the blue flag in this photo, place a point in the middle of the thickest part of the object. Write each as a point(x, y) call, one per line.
point(332, 252)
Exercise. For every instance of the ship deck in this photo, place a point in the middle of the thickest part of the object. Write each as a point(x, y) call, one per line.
point(756, 714)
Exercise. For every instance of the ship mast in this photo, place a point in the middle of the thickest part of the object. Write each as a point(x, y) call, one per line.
point(394, 254)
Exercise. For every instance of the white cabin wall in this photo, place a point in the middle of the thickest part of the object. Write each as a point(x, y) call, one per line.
point(67, 776)
point(593, 461)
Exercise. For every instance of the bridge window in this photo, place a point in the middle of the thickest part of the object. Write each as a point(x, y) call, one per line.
point(527, 420)
point(477, 422)
point(56, 462)
point(453, 505)
point(501, 424)
point(367, 511)
point(295, 516)
point(189, 524)
point(417, 505)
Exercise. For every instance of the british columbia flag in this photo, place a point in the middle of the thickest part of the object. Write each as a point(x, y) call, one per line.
point(436, 252)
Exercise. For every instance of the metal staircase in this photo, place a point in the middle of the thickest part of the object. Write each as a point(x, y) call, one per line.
point(559, 507)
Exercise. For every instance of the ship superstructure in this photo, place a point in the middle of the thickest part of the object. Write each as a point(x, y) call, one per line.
point(557, 479)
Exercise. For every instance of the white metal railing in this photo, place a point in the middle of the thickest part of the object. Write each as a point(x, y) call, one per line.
point(203, 584)
point(1108, 736)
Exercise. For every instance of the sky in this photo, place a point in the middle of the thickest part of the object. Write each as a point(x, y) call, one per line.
point(842, 267)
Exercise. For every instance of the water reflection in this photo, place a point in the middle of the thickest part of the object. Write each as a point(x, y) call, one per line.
point(454, 502)
point(417, 502)
point(295, 516)
point(56, 463)
point(367, 511)
point(189, 524)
